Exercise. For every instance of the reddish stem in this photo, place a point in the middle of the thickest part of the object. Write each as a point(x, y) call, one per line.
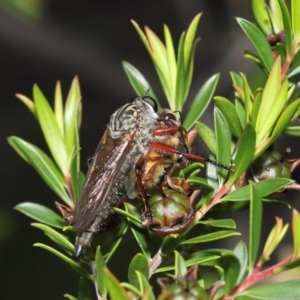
point(288, 61)
point(215, 199)
point(256, 277)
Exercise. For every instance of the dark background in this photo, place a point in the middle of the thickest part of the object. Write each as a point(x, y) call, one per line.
point(48, 41)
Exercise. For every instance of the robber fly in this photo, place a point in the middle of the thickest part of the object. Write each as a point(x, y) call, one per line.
point(127, 136)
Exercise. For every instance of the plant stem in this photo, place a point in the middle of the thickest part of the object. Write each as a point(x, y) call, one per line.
point(256, 277)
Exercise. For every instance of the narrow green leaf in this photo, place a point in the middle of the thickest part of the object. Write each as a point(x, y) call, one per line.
point(208, 136)
point(130, 288)
point(244, 153)
point(295, 67)
point(28, 102)
point(180, 79)
point(58, 108)
point(212, 175)
point(199, 257)
point(171, 57)
point(75, 266)
point(19, 150)
point(190, 38)
point(255, 107)
point(55, 236)
point(296, 233)
point(223, 137)
point(270, 93)
point(230, 113)
point(145, 287)
point(240, 109)
point(133, 217)
point(281, 51)
point(198, 181)
point(240, 251)
point(44, 165)
point(259, 41)
point(236, 78)
point(51, 130)
point(100, 266)
point(223, 223)
point(255, 225)
point(84, 292)
point(292, 265)
point(180, 267)
point(192, 170)
point(77, 177)
point(138, 81)
point(251, 56)
point(261, 16)
point(138, 263)
point(275, 236)
point(247, 97)
point(190, 45)
point(264, 188)
point(275, 291)
point(201, 101)
point(275, 110)
point(137, 230)
point(287, 27)
point(70, 297)
point(222, 234)
point(277, 202)
point(280, 126)
point(295, 8)
point(232, 270)
point(158, 54)
point(276, 16)
point(163, 80)
point(72, 119)
point(114, 288)
point(190, 68)
point(117, 241)
point(142, 36)
point(169, 244)
point(284, 119)
point(158, 51)
point(41, 214)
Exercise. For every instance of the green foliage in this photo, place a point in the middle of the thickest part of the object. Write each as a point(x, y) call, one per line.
point(243, 130)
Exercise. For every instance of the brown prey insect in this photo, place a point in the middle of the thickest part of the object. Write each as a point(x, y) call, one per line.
point(169, 150)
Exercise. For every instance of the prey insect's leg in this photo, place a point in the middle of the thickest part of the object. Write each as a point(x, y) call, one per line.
point(172, 150)
point(138, 170)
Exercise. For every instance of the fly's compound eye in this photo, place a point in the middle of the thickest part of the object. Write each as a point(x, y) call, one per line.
point(151, 102)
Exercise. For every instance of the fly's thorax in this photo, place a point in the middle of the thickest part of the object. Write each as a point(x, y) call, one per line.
point(138, 115)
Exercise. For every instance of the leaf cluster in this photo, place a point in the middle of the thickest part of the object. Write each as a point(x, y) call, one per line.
point(244, 129)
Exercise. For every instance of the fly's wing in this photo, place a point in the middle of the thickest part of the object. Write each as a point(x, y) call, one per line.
point(101, 182)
